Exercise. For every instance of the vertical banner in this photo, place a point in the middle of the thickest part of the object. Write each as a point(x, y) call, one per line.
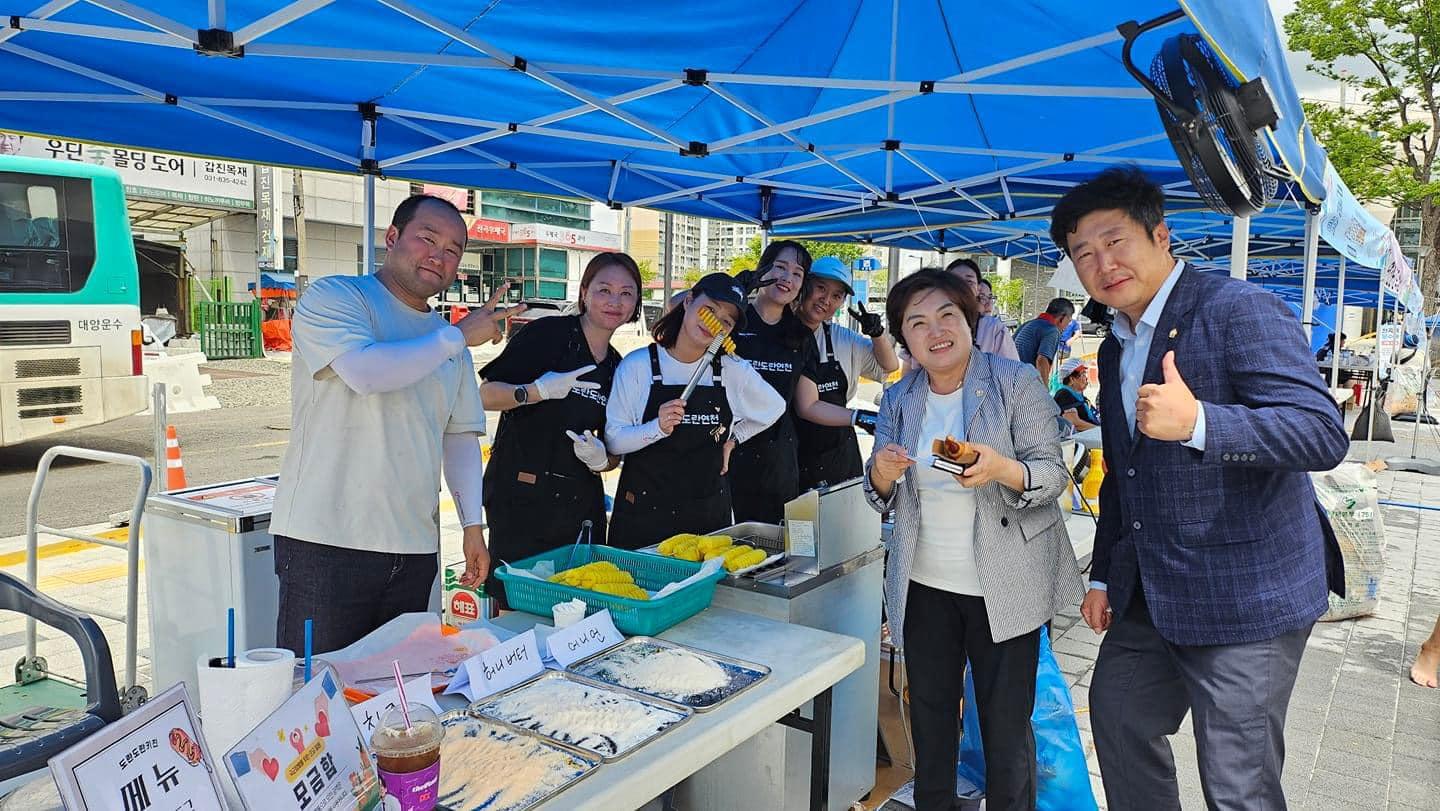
point(269, 220)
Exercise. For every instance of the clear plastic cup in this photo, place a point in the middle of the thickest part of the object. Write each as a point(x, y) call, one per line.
point(408, 758)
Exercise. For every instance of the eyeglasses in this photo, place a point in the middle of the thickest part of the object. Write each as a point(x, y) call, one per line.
point(984, 297)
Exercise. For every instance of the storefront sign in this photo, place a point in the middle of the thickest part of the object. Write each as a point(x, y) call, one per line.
point(153, 758)
point(585, 638)
point(307, 756)
point(564, 237)
point(488, 230)
point(269, 220)
point(150, 175)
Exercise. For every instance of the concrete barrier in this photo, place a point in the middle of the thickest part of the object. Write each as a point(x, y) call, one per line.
point(184, 385)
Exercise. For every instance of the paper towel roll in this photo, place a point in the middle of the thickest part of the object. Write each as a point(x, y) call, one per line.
point(234, 700)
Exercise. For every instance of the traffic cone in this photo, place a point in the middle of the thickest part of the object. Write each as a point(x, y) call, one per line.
point(174, 467)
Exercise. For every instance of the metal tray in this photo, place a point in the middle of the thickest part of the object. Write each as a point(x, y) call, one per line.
point(743, 675)
point(486, 708)
point(588, 761)
point(752, 533)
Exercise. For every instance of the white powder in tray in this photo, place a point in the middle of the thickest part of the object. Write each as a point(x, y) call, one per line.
point(488, 768)
point(594, 719)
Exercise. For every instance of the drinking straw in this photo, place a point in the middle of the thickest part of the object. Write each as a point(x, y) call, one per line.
point(309, 627)
point(231, 623)
point(400, 685)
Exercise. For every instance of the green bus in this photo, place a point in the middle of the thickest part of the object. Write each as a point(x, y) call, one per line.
point(70, 334)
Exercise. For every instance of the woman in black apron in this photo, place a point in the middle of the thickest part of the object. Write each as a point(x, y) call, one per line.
point(552, 383)
point(673, 479)
point(830, 454)
point(765, 473)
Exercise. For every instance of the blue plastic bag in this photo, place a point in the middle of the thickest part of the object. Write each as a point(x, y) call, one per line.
point(1062, 776)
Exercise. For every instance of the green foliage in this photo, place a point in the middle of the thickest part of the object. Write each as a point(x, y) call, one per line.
point(1009, 294)
point(846, 252)
point(647, 271)
point(1384, 148)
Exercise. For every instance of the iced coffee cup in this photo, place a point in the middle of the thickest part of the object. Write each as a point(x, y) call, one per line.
point(408, 756)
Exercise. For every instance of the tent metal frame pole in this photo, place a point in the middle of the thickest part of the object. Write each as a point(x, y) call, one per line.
point(740, 215)
point(531, 69)
point(374, 56)
point(77, 98)
point(145, 16)
point(216, 16)
point(1375, 359)
point(503, 130)
point(912, 90)
point(155, 95)
point(1239, 247)
point(163, 39)
point(43, 13)
point(1312, 247)
point(497, 163)
point(367, 238)
point(1339, 324)
point(668, 256)
point(278, 19)
point(1078, 157)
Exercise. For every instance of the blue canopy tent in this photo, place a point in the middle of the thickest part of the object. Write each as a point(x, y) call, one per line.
point(771, 113)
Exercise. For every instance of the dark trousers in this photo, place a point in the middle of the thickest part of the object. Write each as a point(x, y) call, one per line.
point(346, 592)
point(1237, 696)
point(942, 629)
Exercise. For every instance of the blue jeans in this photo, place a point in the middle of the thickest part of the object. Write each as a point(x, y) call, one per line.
point(346, 592)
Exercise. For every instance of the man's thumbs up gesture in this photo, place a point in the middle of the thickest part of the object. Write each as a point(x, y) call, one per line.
point(1166, 411)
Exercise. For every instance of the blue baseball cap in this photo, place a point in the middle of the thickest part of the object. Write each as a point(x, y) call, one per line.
point(829, 267)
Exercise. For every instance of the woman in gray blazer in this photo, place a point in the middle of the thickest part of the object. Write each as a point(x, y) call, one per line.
point(980, 560)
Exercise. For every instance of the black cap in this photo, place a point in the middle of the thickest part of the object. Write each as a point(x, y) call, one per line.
point(723, 288)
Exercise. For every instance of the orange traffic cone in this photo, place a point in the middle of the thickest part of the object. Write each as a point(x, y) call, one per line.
point(174, 468)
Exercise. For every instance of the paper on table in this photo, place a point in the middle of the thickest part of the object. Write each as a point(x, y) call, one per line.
point(503, 666)
point(367, 715)
point(709, 567)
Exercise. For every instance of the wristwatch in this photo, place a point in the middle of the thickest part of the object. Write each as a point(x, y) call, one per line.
point(522, 395)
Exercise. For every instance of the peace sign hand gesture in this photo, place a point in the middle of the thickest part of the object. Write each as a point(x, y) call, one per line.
point(870, 323)
point(486, 324)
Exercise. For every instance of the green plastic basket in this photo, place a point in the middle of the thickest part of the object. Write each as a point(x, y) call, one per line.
point(632, 617)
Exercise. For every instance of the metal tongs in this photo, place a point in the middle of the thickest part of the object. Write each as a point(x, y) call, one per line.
point(582, 538)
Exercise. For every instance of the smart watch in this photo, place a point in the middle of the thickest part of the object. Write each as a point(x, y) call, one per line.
point(522, 395)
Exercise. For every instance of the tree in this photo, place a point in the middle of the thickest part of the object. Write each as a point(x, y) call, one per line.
point(647, 271)
point(846, 252)
point(1385, 149)
point(1009, 294)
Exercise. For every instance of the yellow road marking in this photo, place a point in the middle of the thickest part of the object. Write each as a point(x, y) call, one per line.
point(85, 577)
point(65, 547)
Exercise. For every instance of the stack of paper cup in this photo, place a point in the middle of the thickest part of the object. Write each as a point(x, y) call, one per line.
point(234, 700)
point(568, 613)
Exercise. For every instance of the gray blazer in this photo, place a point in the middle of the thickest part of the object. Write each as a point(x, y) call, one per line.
point(1026, 564)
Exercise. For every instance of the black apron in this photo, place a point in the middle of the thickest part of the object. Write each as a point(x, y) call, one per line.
point(764, 471)
point(674, 484)
point(537, 493)
point(828, 454)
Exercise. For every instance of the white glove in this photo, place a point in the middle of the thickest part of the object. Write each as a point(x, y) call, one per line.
point(554, 385)
point(590, 450)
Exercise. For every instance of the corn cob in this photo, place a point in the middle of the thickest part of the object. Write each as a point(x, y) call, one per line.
point(741, 561)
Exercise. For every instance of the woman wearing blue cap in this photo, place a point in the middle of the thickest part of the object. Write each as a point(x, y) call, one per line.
point(831, 454)
point(673, 477)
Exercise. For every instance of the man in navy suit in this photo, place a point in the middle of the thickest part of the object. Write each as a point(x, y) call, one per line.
point(1212, 557)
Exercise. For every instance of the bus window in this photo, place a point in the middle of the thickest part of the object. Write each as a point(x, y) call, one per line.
point(47, 237)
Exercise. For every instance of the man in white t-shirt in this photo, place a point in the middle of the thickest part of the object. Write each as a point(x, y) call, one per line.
point(382, 389)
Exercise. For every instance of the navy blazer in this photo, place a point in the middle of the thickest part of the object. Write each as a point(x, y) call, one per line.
point(1230, 544)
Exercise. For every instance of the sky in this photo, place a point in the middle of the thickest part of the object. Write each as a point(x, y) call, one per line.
point(1312, 87)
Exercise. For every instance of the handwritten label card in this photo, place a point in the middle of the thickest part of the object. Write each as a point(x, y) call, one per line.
point(368, 714)
point(802, 538)
point(589, 636)
point(498, 668)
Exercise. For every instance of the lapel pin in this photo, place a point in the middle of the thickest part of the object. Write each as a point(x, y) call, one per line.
point(1174, 332)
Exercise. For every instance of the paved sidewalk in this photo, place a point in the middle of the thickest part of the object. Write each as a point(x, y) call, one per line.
point(1360, 735)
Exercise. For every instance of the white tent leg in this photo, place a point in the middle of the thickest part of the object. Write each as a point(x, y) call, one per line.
point(1312, 246)
point(367, 239)
point(1339, 322)
point(1240, 248)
